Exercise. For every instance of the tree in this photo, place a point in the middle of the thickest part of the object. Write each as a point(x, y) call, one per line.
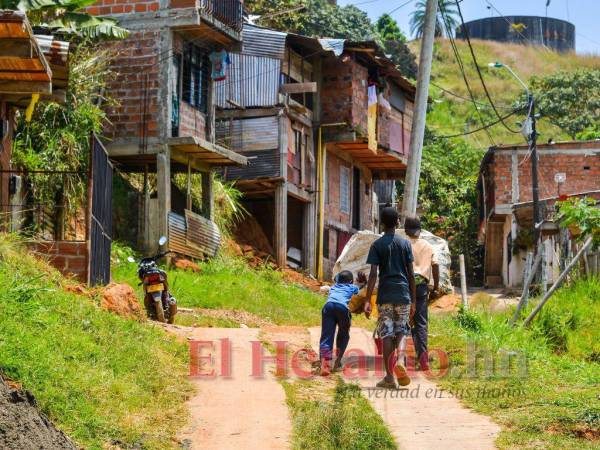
point(446, 14)
point(448, 197)
point(570, 100)
point(318, 18)
point(389, 29)
point(66, 16)
point(394, 42)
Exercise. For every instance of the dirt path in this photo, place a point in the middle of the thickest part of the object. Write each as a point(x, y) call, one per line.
point(238, 412)
point(422, 422)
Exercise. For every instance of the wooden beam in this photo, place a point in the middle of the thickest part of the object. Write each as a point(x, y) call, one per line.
point(298, 88)
point(25, 87)
point(246, 113)
point(183, 142)
point(20, 48)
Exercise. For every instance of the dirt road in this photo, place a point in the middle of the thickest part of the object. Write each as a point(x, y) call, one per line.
point(237, 412)
point(417, 420)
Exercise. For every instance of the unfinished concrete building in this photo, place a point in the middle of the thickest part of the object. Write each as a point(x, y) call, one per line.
point(320, 121)
point(165, 121)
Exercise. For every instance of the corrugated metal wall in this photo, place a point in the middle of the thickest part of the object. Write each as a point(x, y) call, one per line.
point(259, 41)
point(254, 74)
point(252, 81)
point(262, 164)
point(243, 135)
point(385, 190)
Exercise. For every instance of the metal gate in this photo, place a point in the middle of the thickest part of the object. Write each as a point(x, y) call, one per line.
point(100, 185)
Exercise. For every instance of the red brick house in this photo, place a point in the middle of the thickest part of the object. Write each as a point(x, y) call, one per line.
point(505, 201)
point(298, 107)
point(165, 121)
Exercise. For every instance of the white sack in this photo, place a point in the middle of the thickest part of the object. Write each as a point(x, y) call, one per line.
point(354, 255)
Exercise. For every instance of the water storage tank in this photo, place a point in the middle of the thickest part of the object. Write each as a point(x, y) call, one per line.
point(556, 34)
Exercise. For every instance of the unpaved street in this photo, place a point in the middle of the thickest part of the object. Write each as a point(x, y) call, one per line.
point(240, 412)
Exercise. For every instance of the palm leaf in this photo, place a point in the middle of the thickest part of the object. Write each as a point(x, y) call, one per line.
point(89, 26)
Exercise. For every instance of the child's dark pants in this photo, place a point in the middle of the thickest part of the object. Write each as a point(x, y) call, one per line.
point(419, 330)
point(332, 315)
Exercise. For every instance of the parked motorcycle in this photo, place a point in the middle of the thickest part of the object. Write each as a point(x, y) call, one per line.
point(158, 301)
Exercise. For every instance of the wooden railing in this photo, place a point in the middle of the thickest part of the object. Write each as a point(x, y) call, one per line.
point(228, 12)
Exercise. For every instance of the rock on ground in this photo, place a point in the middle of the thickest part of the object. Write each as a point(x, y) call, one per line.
point(24, 427)
point(186, 264)
point(121, 299)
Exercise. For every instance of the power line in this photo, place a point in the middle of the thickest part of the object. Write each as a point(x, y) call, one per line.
point(462, 97)
point(484, 127)
point(464, 75)
point(487, 93)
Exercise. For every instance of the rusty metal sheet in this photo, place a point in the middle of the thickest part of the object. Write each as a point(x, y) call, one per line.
point(193, 235)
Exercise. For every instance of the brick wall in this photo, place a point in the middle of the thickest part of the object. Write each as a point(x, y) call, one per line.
point(344, 93)
point(108, 7)
point(582, 171)
point(136, 62)
point(69, 257)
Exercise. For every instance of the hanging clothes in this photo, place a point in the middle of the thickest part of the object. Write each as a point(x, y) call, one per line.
point(219, 61)
point(372, 118)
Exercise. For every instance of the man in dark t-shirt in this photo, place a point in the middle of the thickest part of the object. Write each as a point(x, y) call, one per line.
point(391, 256)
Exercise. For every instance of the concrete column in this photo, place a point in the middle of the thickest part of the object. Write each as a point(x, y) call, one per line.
point(208, 195)
point(280, 238)
point(163, 175)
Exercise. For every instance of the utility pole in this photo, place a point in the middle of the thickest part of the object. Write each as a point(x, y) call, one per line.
point(413, 171)
point(535, 190)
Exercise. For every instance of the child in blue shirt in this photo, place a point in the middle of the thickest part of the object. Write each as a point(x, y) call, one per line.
point(336, 314)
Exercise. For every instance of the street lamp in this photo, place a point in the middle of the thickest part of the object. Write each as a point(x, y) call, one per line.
point(530, 132)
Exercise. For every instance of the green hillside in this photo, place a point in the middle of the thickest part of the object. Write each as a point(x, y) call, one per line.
point(452, 115)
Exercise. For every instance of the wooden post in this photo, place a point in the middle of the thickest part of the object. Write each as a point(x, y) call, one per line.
point(208, 195)
point(558, 283)
point(544, 263)
point(463, 282)
point(530, 271)
point(163, 175)
point(280, 241)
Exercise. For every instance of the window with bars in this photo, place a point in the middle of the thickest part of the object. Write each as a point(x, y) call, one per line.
point(195, 77)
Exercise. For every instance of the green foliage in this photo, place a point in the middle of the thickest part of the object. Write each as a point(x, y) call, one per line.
point(554, 371)
point(99, 377)
point(468, 320)
point(57, 138)
point(389, 29)
point(570, 100)
point(65, 16)
point(446, 14)
point(229, 210)
point(448, 196)
point(319, 18)
point(582, 214)
point(345, 422)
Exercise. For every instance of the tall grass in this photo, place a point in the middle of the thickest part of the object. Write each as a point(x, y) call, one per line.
point(556, 371)
point(103, 379)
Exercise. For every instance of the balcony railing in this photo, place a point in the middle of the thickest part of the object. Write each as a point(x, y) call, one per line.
point(228, 12)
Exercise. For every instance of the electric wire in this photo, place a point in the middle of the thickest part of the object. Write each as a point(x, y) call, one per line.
point(477, 130)
point(487, 92)
point(464, 76)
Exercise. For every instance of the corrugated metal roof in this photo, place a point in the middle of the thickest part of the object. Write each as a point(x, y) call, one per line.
point(252, 81)
point(259, 41)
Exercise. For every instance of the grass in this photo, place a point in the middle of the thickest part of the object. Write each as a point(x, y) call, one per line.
point(103, 379)
point(339, 419)
point(450, 114)
point(229, 283)
point(553, 380)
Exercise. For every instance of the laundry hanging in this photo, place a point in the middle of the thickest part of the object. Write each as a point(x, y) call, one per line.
point(219, 61)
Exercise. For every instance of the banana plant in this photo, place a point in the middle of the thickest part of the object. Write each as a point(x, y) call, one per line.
point(66, 16)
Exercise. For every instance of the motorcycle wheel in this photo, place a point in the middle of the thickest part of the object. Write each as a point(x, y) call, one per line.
point(158, 307)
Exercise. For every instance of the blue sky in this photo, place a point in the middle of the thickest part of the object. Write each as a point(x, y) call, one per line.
point(584, 14)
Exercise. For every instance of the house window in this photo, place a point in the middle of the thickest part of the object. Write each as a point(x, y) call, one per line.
point(195, 77)
point(345, 189)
